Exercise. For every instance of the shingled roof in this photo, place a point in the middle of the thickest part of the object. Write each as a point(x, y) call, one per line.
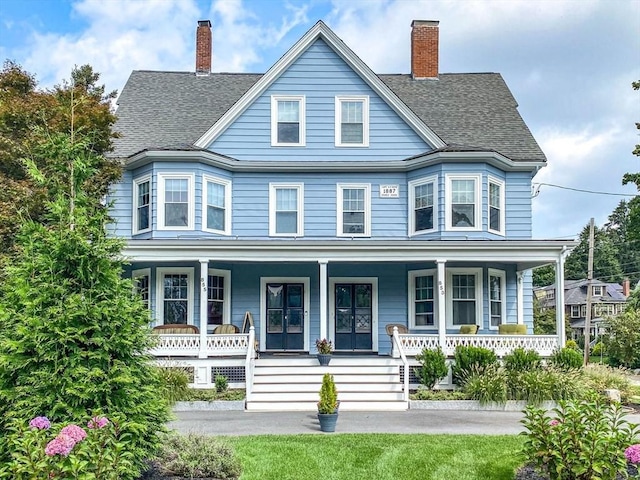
point(474, 111)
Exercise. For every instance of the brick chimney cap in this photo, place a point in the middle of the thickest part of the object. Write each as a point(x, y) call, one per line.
point(427, 23)
point(204, 23)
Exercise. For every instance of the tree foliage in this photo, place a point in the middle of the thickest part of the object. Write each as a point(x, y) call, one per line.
point(606, 265)
point(634, 203)
point(623, 339)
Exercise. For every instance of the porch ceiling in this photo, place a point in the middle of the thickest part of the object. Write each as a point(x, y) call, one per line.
point(525, 254)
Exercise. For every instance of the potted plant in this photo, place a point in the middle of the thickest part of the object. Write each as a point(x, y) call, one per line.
point(328, 404)
point(324, 347)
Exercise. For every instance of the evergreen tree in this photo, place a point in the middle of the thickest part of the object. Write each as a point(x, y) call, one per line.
point(606, 266)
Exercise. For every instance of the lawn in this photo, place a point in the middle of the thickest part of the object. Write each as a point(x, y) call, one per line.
point(378, 456)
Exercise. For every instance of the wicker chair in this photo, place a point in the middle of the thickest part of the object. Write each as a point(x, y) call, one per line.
point(225, 329)
point(401, 328)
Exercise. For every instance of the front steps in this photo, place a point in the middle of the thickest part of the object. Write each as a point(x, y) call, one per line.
point(292, 383)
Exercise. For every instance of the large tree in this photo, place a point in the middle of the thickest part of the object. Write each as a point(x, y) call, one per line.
point(628, 250)
point(606, 266)
point(634, 203)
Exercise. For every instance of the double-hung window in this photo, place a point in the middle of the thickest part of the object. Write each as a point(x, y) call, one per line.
point(176, 205)
point(422, 300)
point(287, 120)
point(175, 295)
point(575, 311)
point(497, 292)
point(352, 121)
point(141, 283)
point(463, 202)
point(142, 204)
point(217, 204)
point(422, 206)
point(354, 210)
point(464, 297)
point(218, 305)
point(286, 209)
point(496, 206)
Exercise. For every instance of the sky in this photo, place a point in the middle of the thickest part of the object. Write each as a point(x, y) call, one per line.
point(569, 64)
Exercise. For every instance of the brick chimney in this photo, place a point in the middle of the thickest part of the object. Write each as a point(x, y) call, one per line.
point(424, 49)
point(626, 287)
point(203, 48)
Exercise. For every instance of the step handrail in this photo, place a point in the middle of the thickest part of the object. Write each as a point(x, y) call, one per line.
point(405, 362)
point(249, 363)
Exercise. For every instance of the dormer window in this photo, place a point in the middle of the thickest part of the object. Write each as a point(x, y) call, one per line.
point(287, 121)
point(352, 121)
point(551, 295)
point(597, 290)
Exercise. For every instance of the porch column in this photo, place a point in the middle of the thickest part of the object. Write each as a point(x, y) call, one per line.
point(324, 322)
point(560, 330)
point(520, 297)
point(204, 280)
point(442, 321)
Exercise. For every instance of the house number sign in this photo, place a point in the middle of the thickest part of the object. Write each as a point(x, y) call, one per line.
point(389, 191)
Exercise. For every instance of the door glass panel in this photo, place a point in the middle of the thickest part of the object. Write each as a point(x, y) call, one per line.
point(343, 296)
point(274, 295)
point(363, 296)
point(294, 296)
point(294, 321)
point(274, 321)
point(363, 320)
point(343, 320)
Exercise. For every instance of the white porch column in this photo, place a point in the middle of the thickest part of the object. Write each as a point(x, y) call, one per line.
point(560, 330)
point(520, 297)
point(324, 321)
point(204, 279)
point(442, 321)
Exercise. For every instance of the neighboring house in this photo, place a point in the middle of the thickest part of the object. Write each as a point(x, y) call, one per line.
point(607, 299)
point(326, 200)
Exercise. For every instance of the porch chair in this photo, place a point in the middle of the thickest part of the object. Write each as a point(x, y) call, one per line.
point(468, 329)
point(225, 328)
point(512, 329)
point(401, 328)
point(175, 328)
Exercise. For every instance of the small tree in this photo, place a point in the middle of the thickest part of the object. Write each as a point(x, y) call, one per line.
point(328, 395)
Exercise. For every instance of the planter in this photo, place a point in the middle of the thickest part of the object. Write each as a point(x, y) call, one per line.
point(328, 421)
point(324, 358)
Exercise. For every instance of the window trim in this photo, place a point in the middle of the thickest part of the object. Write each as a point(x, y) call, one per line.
point(160, 273)
point(575, 311)
point(500, 183)
point(413, 274)
point(365, 119)
point(136, 184)
point(449, 178)
point(191, 206)
point(226, 292)
point(302, 120)
point(273, 187)
point(411, 204)
point(367, 209)
point(503, 290)
point(599, 287)
point(478, 293)
point(206, 179)
point(142, 272)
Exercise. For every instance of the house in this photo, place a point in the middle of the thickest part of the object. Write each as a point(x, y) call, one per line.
point(607, 299)
point(322, 200)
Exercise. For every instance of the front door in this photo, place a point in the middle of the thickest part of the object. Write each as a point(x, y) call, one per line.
point(353, 316)
point(285, 316)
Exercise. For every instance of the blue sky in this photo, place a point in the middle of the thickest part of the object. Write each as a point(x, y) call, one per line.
point(569, 64)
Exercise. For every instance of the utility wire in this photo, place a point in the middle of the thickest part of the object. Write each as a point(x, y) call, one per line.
point(538, 185)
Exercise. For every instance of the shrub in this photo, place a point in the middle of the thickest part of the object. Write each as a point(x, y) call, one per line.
point(433, 367)
point(198, 456)
point(521, 360)
point(488, 385)
point(623, 339)
point(573, 345)
point(210, 394)
point(542, 384)
point(174, 383)
point(427, 394)
point(328, 395)
point(566, 359)
point(221, 383)
point(602, 377)
point(582, 440)
point(598, 349)
point(471, 359)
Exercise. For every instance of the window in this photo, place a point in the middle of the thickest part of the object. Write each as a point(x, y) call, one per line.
point(497, 300)
point(175, 295)
point(575, 311)
point(176, 210)
point(597, 290)
point(354, 210)
point(422, 206)
point(217, 216)
point(463, 200)
point(141, 283)
point(142, 204)
point(218, 306)
point(496, 206)
point(287, 121)
point(286, 210)
point(422, 301)
point(464, 297)
point(551, 294)
point(352, 121)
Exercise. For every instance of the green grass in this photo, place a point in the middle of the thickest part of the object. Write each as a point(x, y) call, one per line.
point(378, 456)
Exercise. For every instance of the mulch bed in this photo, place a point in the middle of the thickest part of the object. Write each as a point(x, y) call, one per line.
point(528, 473)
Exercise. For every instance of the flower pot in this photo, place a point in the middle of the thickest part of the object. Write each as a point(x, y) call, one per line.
point(324, 358)
point(328, 421)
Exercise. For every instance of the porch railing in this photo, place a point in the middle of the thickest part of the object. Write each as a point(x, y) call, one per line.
point(249, 364)
point(398, 347)
point(188, 345)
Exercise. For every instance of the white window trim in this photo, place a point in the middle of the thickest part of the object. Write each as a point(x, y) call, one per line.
point(501, 184)
point(599, 289)
point(575, 309)
point(160, 273)
point(226, 292)
point(191, 209)
point(136, 183)
point(503, 290)
point(412, 298)
point(143, 272)
point(274, 119)
point(367, 207)
point(412, 197)
point(365, 119)
point(272, 209)
point(227, 204)
point(477, 221)
point(449, 294)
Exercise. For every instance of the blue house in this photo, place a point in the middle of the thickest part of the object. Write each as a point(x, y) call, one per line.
point(322, 200)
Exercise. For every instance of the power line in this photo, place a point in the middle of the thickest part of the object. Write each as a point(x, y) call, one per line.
point(538, 185)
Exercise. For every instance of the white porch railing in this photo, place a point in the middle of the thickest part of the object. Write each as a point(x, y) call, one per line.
point(413, 344)
point(250, 362)
point(397, 346)
point(188, 345)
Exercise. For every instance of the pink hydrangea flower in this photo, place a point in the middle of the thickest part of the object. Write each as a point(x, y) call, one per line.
point(554, 422)
point(75, 432)
point(61, 445)
point(633, 454)
point(98, 422)
point(40, 423)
